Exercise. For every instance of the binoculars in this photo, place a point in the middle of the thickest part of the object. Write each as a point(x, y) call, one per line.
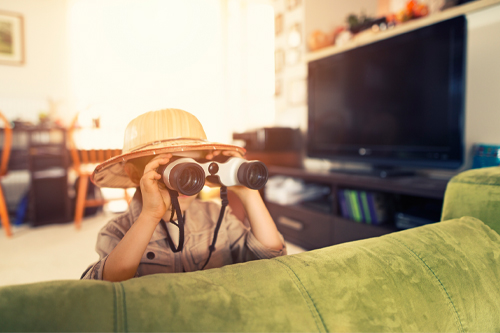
point(187, 176)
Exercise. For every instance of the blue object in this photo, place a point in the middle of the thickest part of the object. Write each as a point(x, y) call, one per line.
point(486, 156)
point(22, 209)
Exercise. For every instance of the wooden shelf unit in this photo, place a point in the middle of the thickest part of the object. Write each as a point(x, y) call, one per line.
point(311, 228)
point(368, 37)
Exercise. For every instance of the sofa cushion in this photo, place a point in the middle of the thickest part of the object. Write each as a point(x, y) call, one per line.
point(474, 193)
point(440, 277)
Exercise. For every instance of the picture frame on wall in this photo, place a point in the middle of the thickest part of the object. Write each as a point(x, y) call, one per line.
point(292, 4)
point(278, 87)
point(294, 38)
point(279, 60)
point(11, 38)
point(278, 24)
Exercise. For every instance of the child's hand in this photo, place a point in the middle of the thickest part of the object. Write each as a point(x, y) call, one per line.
point(240, 191)
point(155, 197)
point(212, 154)
point(261, 222)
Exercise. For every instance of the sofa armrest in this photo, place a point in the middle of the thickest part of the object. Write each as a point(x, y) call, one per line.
point(474, 193)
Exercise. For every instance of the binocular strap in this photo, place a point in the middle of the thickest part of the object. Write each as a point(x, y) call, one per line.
point(224, 203)
point(175, 203)
point(180, 222)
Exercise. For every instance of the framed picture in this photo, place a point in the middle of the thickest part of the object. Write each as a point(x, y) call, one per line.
point(278, 87)
point(278, 24)
point(11, 38)
point(292, 4)
point(294, 38)
point(279, 60)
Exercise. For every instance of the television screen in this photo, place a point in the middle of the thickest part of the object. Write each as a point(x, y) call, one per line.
point(395, 102)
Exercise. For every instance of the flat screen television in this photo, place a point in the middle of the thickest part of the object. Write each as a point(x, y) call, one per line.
point(395, 103)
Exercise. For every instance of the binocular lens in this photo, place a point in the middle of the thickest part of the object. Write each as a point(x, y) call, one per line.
point(187, 178)
point(253, 175)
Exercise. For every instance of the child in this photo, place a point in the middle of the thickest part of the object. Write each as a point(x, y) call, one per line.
point(142, 241)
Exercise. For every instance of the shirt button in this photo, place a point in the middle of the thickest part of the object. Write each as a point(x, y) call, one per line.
point(150, 255)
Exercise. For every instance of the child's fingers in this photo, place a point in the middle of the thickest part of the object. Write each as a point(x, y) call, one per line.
point(212, 154)
point(156, 162)
point(149, 178)
point(215, 153)
point(231, 153)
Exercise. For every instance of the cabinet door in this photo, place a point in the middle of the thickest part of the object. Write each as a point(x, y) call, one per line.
point(347, 230)
point(49, 202)
point(302, 227)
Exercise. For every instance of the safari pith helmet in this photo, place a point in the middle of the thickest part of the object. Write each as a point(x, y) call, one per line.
point(152, 133)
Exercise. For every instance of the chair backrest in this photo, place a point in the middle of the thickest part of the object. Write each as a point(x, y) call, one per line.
point(81, 156)
point(7, 145)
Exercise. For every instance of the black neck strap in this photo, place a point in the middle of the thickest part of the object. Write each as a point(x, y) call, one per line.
point(180, 222)
point(175, 205)
point(224, 202)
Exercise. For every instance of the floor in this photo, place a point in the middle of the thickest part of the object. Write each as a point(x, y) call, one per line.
point(54, 252)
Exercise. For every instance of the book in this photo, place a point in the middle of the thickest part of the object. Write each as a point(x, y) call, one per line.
point(350, 208)
point(379, 207)
point(343, 204)
point(371, 207)
point(364, 206)
point(366, 209)
point(355, 206)
point(360, 205)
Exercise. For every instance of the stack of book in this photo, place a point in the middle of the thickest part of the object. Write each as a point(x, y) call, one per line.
point(364, 206)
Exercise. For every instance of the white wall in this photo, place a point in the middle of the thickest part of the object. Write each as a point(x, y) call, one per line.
point(213, 58)
point(25, 90)
point(293, 73)
point(483, 78)
point(326, 15)
point(131, 56)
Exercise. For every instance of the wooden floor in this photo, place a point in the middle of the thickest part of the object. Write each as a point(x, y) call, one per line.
point(54, 252)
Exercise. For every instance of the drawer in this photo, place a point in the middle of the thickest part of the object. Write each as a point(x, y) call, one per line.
point(347, 230)
point(305, 228)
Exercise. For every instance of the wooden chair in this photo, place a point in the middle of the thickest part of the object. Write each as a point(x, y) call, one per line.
point(84, 162)
point(7, 145)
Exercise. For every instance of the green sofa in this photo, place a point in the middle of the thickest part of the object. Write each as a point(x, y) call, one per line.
point(443, 277)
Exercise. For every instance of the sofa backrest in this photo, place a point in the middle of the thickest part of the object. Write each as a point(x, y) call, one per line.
point(440, 277)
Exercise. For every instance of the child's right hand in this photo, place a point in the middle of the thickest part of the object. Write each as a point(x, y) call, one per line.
point(155, 198)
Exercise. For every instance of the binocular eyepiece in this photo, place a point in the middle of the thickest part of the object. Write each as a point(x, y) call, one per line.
point(187, 176)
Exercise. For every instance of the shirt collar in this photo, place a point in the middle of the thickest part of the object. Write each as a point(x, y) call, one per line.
point(196, 215)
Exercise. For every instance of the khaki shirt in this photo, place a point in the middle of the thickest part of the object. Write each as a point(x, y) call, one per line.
point(235, 241)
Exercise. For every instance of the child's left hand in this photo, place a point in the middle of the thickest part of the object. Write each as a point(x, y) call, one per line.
point(211, 155)
point(261, 222)
point(240, 191)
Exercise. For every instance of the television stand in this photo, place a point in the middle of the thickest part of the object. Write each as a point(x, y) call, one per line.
point(377, 171)
point(321, 223)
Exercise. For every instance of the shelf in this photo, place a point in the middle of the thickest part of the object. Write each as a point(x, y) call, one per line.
point(368, 37)
point(315, 228)
point(407, 185)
